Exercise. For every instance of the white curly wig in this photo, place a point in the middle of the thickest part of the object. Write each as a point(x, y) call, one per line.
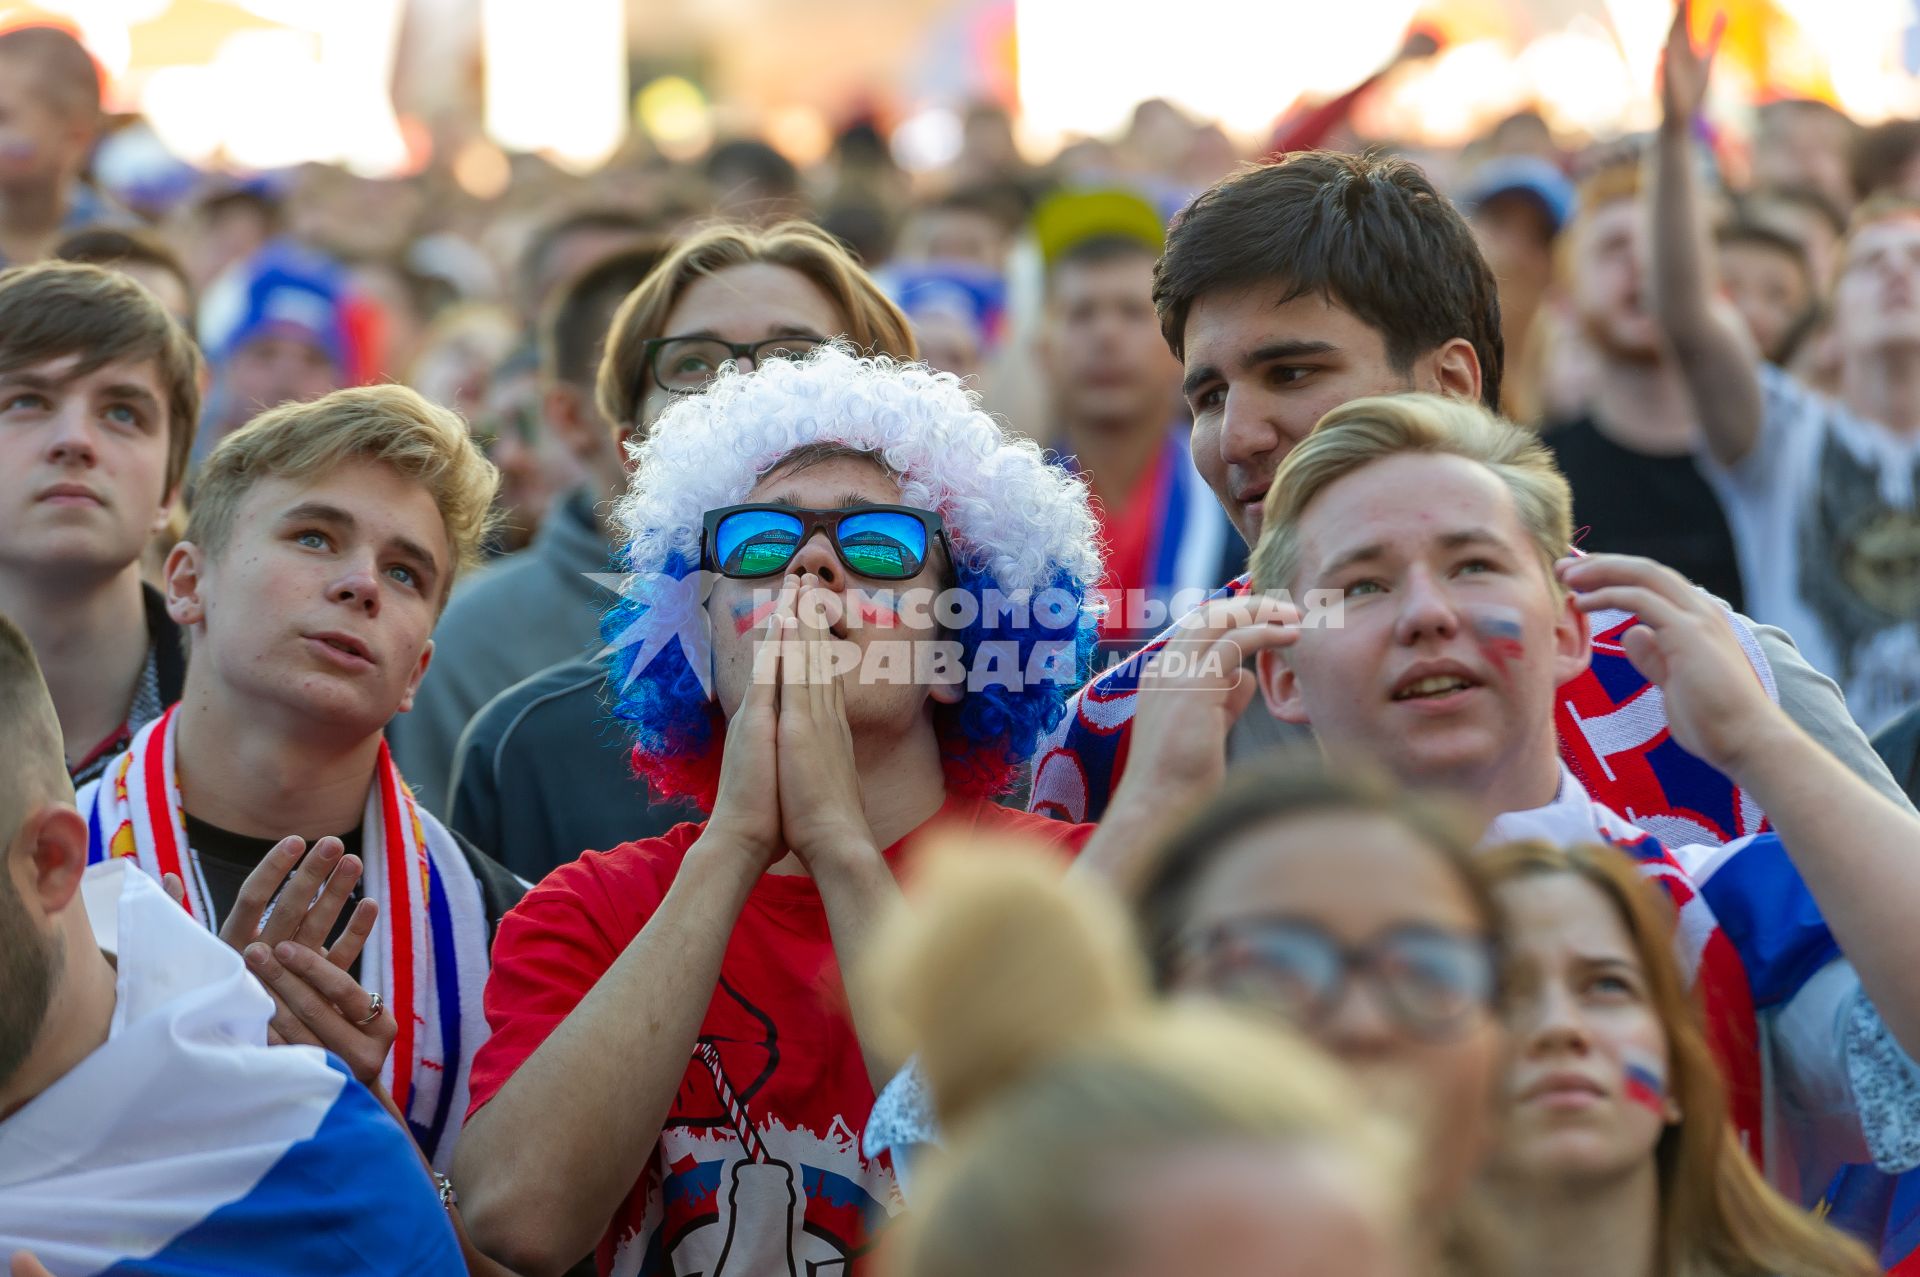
point(1009, 514)
point(1015, 524)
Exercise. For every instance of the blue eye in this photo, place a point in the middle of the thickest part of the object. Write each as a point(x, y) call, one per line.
point(405, 575)
point(311, 539)
point(1362, 588)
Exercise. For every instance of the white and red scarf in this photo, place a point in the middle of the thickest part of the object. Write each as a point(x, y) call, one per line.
point(426, 958)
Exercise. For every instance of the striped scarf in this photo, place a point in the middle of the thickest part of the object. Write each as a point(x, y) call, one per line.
point(426, 958)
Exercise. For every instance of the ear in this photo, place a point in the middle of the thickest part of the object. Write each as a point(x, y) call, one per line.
point(568, 416)
point(184, 580)
point(54, 840)
point(1671, 1110)
point(1452, 369)
point(1572, 641)
point(1280, 687)
point(413, 682)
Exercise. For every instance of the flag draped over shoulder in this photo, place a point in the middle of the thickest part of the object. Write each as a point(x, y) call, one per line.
point(426, 958)
point(184, 1145)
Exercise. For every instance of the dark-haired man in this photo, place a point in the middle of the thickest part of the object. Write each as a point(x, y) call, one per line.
point(99, 393)
point(534, 609)
point(1288, 290)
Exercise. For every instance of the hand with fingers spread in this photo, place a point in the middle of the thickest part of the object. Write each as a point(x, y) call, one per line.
point(318, 1004)
point(1685, 70)
point(821, 813)
point(288, 905)
point(296, 894)
point(1686, 645)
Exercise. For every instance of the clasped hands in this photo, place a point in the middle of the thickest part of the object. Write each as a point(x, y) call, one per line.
point(788, 780)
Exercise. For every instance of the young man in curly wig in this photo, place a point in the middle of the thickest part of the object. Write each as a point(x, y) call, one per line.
point(887, 597)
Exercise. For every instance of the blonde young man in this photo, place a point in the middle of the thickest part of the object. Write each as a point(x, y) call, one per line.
point(1439, 529)
point(323, 542)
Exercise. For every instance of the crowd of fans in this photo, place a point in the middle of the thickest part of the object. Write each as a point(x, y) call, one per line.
point(1343, 710)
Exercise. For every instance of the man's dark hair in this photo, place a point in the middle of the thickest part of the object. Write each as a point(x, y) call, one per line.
point(574, 328)
point(53, 310)
point(116, 246)
point(1800, 195)
point(1368, 233)
point(1881, 155)
point(1761, 235)
point(540, 247)
point(751, 160)
point(1003, 200)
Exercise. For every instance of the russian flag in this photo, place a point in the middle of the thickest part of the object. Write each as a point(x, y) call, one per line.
point(185, 1146)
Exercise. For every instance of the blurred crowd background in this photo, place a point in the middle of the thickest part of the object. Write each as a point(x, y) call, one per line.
point(440, 164)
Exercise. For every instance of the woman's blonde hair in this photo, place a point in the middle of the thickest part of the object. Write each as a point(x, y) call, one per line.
point(392, 425)
point(874, 325)
point(1718, 1215)
point(1056, 1075)
point(1359, 433)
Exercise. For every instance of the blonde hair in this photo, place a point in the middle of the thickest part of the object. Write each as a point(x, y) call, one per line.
point(1056, 1075)
point(1359, 433)
point(1718, 1215)
point(392, 425)
point(873, 324)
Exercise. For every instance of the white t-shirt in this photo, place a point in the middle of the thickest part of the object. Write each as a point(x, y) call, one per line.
point(1826, 517)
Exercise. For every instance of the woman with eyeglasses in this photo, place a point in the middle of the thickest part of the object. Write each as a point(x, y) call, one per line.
point(1101, 1132)
point(535, 781)
point(1357, 916)
point(1617, 1158)
point(735, 294)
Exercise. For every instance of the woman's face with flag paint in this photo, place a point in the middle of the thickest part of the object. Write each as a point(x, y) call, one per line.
point(1587, 1096)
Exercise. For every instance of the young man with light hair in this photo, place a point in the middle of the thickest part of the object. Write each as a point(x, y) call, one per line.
point(144, 1121)
point(322, 543)
point(1441, 529)
point(99, 398)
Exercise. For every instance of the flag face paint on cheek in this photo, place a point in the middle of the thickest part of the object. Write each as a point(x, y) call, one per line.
point(875, 608)
point(1498, 630)
point(1646, 1081)
point(747, 613)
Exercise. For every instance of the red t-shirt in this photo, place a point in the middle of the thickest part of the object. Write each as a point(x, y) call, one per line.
point(773, 1176)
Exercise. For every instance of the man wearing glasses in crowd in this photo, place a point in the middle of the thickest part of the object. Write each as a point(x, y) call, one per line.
point(538, 776)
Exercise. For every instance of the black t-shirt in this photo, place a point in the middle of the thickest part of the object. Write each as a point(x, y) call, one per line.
point(226, 858)
point(1656, 506)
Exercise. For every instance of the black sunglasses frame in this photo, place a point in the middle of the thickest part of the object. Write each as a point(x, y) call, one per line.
point(812, 521)
point(736, 350)
point(1359, 960)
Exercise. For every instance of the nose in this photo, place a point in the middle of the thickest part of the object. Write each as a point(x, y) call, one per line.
point(1359, 1026)
point(1426, 610)
point(1552, 1021)
point(71, 441)
point(358, 585)
point(816, 555)
point(1249, 431)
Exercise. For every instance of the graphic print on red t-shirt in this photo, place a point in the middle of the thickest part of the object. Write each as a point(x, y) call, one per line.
point(758, 1167)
